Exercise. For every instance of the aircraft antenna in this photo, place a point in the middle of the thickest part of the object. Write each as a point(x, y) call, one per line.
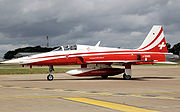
point(47, 41)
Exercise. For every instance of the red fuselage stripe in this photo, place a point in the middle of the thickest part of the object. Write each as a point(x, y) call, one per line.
point(128, 51)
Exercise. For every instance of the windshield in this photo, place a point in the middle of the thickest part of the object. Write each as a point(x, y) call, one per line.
point(65, 48)
point(58, 49)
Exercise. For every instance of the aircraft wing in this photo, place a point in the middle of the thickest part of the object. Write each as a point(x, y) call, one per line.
point(122, 62)
point(118, 61)
point(166, 62)
point(112, 61)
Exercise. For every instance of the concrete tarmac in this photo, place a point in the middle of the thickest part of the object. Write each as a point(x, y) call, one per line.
point(152, 89)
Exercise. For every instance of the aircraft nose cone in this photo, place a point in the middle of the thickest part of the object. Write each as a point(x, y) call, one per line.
point(13, 61)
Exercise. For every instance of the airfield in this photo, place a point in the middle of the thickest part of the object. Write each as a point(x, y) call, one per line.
point(152, 89)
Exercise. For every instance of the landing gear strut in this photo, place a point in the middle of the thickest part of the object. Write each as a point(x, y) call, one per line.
point(50, 76)
point(127, 74)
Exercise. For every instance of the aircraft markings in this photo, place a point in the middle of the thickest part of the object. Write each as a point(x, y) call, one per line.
point(110, 105)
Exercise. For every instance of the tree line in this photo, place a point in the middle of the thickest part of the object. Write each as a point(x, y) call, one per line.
point(36, 49)
point(175, 49)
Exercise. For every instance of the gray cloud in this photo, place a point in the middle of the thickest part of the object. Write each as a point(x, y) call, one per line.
point(123, 23)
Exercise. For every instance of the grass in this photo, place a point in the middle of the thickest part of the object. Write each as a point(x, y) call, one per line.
point(7, 65)
point(4, 65)
point(10, 71)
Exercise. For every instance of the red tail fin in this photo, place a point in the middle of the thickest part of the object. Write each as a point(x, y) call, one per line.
point(155, 41)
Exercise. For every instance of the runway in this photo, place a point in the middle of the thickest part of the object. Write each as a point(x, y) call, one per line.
point(152, 89)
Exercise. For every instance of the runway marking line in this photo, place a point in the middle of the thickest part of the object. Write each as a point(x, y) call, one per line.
point(157, 93)
point(140, 95)
point(63, 96)
point(79, 98)
point(156, 97)
point(110, 105)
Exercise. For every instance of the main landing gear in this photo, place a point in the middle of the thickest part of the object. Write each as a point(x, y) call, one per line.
point(126, 77)
point(50, 76)
point(127, 73)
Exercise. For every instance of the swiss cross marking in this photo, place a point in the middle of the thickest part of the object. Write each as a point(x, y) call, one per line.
point(161, 45)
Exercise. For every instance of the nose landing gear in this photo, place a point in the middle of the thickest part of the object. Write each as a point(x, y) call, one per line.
point(50, 77)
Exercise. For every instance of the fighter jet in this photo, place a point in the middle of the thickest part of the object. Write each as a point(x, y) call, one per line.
point(98, 61)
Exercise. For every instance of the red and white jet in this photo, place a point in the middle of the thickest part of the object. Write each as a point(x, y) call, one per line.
point(97, 61)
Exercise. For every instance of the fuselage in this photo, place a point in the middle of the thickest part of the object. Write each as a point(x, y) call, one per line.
point(92, 55)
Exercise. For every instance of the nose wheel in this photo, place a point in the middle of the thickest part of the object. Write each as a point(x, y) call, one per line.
point(50, 77)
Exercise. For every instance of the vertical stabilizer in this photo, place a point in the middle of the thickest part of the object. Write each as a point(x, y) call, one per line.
point(155, 41)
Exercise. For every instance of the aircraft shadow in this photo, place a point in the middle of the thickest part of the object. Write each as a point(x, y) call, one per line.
point(99, 78)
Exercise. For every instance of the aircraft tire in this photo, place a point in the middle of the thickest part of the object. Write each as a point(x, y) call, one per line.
point(126, 77)
point(50, 77)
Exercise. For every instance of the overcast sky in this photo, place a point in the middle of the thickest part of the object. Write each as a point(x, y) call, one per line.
point(117, 23)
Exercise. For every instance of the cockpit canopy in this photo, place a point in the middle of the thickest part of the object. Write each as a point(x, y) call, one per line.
point(65, 48)
point(68, 47)
point(82, 48)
